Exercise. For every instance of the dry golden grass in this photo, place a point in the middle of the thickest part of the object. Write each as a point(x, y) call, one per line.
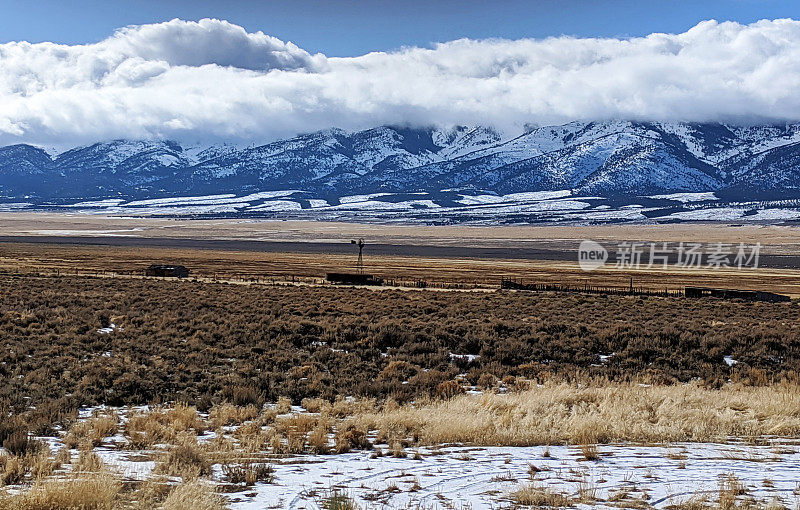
point(161, 425)
point(97, 491)
point(194, 495)
point(247, 473)
point(186, 460)
point(729, 489)
point(93, 430)
point(587, 492)
point(88, 461)
point(229, 414)
point(14, 469)
point(283, 406)
point(183, 417)
point(43, 464)
point(535, 496)
point(589, 452)
point(349, 437)
point(338, 500)
point(693, 503)
point(38, 464)
point(295, 429)
point(252, 437)
point(732, 495)
point(149, 494)
point(557, 413)
point(318, 439)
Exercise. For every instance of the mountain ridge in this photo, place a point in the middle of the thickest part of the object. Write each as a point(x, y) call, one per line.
point(614, 158)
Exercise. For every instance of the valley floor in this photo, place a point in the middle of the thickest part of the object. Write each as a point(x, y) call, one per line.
point(284, 392)
point(453, 257)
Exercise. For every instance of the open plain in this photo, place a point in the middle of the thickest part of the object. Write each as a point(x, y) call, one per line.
point(255, 384)
point(243, 251)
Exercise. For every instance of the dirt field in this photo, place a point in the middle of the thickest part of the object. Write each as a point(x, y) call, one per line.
point(467, 272)
point(776, 239)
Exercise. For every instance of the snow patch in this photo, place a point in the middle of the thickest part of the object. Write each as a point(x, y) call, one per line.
point(688, 197)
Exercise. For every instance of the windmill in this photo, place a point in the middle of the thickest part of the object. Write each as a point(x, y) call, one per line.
point(360, 265)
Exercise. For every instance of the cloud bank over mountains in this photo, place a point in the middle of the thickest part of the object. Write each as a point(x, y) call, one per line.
point(212, 80)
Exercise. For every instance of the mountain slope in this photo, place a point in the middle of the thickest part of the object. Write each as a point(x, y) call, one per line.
point(616, 158)
point(20, 167)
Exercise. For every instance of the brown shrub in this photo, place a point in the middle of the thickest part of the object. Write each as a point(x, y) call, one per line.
point(14, 469)
point(449, 389)
point(179, 344)
point(348, 437)
point(12, 429)
point(19, 443)
point(185, 460)
point(487, 381)
point(243, 396)
point(398, 371)
point(247, 473)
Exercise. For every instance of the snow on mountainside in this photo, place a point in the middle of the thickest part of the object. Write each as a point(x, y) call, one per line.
point(615, 158)
point(20, 161)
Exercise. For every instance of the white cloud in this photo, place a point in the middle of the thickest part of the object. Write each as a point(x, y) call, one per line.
point(211, 79)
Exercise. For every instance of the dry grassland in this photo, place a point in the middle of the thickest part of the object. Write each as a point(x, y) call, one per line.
point(248, 439)
point(597, 413)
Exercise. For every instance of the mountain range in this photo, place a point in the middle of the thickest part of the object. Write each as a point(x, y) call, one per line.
point(614, 158)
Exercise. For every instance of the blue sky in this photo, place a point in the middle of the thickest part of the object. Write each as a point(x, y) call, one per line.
point(351, 27)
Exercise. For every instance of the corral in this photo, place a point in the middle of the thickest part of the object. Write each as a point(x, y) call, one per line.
point(167, 270)
point(747, 295)
point(689, 292)
point(353, 279)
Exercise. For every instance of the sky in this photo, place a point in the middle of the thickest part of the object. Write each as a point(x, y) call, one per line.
point(355, 27)
point(242, 72)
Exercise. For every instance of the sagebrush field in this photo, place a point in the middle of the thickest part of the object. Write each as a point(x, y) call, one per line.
point(204, 343)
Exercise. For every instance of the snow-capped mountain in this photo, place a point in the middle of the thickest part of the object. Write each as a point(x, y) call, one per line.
point(615, 158)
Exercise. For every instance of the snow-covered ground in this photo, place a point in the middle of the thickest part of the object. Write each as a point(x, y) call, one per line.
point(461, 476)
point(447, 206)
point(687, 197)
point(483, 478)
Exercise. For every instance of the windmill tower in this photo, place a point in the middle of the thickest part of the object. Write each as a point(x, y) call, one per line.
point(360, 265)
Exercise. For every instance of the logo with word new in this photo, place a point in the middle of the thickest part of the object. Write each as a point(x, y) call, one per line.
point(682, 255)
point(591, 255)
